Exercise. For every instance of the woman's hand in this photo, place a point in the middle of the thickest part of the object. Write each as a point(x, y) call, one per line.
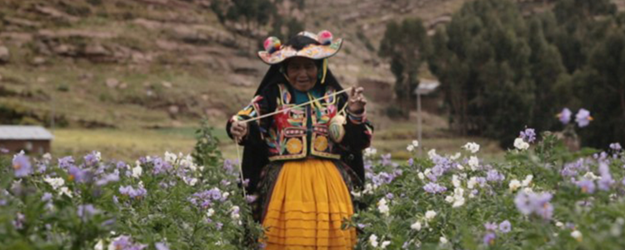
point(238, 130)
point(357, 100)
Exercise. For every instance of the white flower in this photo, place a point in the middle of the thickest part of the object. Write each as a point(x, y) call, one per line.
point(415, 143)
point(356, 194)
point(370, 152)
point(170, 157)
point(449, 199)
point(520, 144)
point(234, 213)
point(65, 191)
point(427, 171)
point(455, 156)
point(416, 226)
point(460, 167)
point(191, 181)
point(576, 235)
point(373, 240)
point(385, 244)
point(137, 171)
point(528, 190)
point(455, 181)
point(210, 212)
point(514, 185)
point(591, 176)
point(474, 163)
point(443, 240)
point(472, 182)
point(368, 189)
point(99, 245)
point(225, 195)
point(47, 156)
point(384, 209)
point(410, 148)
point(472, 147)
point(432, 154)
point(560, 224)
point(56, 183)
point(421, 176)
point(528, 180)
point(429, 215)
point(458, 202)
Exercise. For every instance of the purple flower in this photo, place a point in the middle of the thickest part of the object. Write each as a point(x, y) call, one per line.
point(41, 168)
point(113, 177)
point(161, 166)
point(616, 146)
point(3, 202)
point(46, 197)
point(4, 150)
point(489, 239)
point(219, 225)
point(86, 211)
point(528, 135)
point(161, 246)
point(75, 174)
point(122, 242)
point(361, 226)
point(22, 166)
point(386, 159)
point(66, 162)
point(494, 176)
point(587, 186)
point(410, 162)
point(228, 166)
point(583, 118)
point(250, 198)
point(133, 193)
point(18, 223)
point(389, 196)
point(490, 226)
point(537, 203)
point(505, 226)
point(434, 188)
point(121, 165)
point(565, 116)
point(92, 158)
point(605, 182)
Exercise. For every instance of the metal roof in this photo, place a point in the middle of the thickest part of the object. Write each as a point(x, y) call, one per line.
point(426, 86)
point(9, 132)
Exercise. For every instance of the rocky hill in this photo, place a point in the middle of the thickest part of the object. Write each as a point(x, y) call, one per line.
point(168, 63)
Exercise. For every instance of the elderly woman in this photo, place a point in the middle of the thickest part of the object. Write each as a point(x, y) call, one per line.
point(302, 161)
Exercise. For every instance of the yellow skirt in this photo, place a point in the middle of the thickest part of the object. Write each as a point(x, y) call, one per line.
point(308, 205)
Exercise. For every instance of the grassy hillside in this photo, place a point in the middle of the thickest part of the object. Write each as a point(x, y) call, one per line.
point(114, 74)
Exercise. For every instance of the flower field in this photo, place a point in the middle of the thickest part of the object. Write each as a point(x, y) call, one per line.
point(542, 196)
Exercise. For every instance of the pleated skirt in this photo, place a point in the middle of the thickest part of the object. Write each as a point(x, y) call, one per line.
point(308, 205)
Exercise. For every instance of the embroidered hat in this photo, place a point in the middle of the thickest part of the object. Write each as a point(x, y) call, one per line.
point(275, 52)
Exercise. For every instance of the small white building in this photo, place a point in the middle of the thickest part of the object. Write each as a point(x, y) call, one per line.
point(31, 139)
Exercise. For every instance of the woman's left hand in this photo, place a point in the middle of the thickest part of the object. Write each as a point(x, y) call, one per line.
point(357, 100)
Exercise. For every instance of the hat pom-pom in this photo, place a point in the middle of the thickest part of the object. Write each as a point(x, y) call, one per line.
point(325, 37)
point(272, 44)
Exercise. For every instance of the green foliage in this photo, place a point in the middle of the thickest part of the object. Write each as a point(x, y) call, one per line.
point(396, 203)
point(501, 72)
point(174, 200)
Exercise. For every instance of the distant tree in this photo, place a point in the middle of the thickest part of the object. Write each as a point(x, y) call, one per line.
point(406, 46)
point(601, 89)
point(482, 59)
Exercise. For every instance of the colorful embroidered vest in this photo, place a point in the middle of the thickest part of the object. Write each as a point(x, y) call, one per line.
point(287, 138)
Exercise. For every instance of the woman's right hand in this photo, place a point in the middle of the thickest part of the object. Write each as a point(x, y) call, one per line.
point(238, 130)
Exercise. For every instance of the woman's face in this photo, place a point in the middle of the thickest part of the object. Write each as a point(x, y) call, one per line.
point(302, 73)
